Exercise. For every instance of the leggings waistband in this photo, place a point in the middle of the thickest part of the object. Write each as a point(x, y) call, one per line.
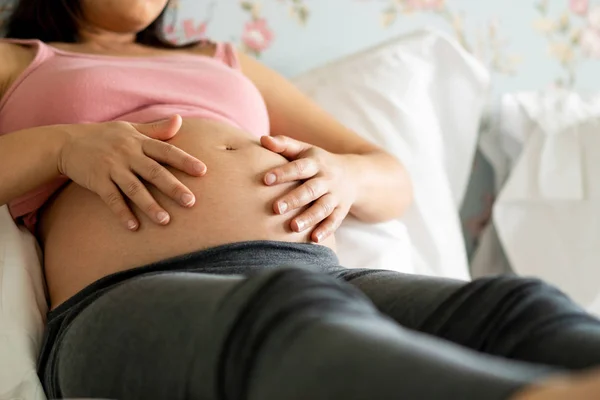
point(239, 258)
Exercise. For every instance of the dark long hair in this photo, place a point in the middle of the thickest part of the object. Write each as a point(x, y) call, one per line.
point(56, 21)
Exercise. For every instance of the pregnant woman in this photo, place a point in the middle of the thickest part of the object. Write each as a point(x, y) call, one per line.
point(186, 200)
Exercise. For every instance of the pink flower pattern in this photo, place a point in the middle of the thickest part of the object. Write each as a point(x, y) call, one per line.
point(193, 30)
point(257, 35)
point(170, 29)
point(571, 40)
point(579, 7)
point(590, 38)
point(594, 18)
point(590, 43)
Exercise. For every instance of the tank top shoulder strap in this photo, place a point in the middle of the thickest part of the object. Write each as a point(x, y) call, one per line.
point(43, 50)
point(225, 52)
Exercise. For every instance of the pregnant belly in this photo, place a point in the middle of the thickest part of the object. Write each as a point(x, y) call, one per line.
point(84, 242)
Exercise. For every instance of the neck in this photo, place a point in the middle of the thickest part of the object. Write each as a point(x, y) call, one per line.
point(106, 39)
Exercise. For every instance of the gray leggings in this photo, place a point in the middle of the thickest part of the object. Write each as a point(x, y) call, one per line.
point(276, 321)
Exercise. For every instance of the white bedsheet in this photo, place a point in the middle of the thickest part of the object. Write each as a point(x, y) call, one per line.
point(548, 212)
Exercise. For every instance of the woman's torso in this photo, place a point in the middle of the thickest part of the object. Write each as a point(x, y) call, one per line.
point(83, 241)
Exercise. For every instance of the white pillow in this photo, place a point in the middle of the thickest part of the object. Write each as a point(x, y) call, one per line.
point(420, 97)
point(22, 311)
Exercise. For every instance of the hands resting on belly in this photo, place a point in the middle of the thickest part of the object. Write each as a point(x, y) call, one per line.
point(110, 159)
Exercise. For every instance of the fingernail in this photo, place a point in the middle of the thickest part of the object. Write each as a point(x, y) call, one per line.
point(300, 225)
point(320, 236)
point(187, 199)
point(282, 207)
point(199, 167)
point(131, 225)
point(162, 217)
point(270, 179)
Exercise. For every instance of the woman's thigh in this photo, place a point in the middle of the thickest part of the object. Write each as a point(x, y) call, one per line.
point(142, 338)
point(411, 300)
point(519, 318)
point(282, 334)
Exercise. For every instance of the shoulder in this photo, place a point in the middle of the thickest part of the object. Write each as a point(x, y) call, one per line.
point(204, 47)
point(9, 53)
point(222, 51)
point(13, 53)
point(14, 59)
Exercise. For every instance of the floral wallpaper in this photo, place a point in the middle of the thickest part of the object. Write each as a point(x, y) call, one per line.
point(527, 44)
point(256, 35)
point(573, 35)
point(566, 33)
point(514, 38)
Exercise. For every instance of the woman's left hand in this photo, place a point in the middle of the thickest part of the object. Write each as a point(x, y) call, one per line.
point(327, 184)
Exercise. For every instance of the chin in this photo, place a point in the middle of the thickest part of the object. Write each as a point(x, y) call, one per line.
point(122, 16)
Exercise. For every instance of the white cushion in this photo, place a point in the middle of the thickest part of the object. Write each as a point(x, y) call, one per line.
point(22, 311)
point(420, 97)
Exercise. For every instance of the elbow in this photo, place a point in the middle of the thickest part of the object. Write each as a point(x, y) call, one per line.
point(390, 198)
point(406, 201)
point(403, 196)
point(395, 208)
point(400, 202)
point(406, 194)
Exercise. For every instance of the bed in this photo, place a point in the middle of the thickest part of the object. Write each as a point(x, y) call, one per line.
point(402, 95)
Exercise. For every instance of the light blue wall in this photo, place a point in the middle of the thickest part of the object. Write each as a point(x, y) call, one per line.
point(339, 27)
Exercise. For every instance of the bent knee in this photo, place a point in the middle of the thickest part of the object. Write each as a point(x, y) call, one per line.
point(510, 286)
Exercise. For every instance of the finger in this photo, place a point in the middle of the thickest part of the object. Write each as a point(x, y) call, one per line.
point(164, 129)
point(168, 154)
point(322, 209)
point(135, 190)
point(111, 195)
point(301, 196)
point(163, 180)
point(286, 146)
point(329, 225)
point(298, 170)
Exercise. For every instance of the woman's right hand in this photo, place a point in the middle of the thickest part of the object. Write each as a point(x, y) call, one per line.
point(107, 158)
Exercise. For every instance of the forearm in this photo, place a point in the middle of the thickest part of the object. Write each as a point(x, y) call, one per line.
point(28, 159)
point(383, 187)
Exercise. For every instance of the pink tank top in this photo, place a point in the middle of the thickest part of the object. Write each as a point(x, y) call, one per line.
point(61, 87)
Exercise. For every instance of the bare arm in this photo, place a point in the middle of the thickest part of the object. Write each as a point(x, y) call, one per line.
point(384, 189)
point(106, 158)
point(28, 159)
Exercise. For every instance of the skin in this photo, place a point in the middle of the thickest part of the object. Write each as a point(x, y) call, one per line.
point(115, 19)
point(339, 172)
point(381, 189)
